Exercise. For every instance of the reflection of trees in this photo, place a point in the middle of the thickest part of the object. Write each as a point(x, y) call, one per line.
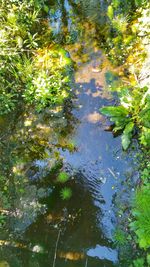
point(79, 20)
point(29, 139)
point(74, 221)
point(89, 20)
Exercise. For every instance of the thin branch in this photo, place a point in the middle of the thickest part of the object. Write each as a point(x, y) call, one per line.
point(136, 78)
point(112, 173)
point(56, 246)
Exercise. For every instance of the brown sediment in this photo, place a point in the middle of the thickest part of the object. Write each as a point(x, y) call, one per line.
point(73, 256)
point(54, 217)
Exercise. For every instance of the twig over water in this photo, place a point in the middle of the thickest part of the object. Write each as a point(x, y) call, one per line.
point(86, 262)
point(112, 173)
point(56, 246)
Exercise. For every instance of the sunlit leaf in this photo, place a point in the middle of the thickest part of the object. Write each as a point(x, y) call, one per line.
point(114, 111)
point(126, 140)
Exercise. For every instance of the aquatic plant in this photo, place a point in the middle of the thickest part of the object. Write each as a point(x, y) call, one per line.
point(66, 193)
point(63, 177)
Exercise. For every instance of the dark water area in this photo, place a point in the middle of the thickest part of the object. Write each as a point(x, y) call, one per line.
point(43, 229)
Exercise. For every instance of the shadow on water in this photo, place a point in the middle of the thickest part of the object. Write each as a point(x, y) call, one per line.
point(71, 140)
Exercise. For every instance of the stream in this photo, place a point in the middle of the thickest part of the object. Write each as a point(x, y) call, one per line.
point(43, 229)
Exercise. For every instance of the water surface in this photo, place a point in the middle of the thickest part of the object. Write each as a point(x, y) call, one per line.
point(44, 230)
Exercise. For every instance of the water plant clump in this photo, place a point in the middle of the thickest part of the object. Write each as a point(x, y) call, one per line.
point(66, 193)
point(63, 177)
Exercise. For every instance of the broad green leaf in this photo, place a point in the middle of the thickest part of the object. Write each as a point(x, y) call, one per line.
point(125, 141)
point(126, 98)
point(129, 128)
point(114, 111)
point(145, 117)
point(118, 128)
point(127, 134)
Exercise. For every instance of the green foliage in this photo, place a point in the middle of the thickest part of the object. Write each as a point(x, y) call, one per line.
point(132, 114)
point(116, 3)
point(110, 12)
point(31, 67)
point(120, 37)
point(141, 213)
point(145, 136)
point(120, 237)
point(120, 116)
point(148, 259)
point(2, 220)
point(71, 147)
point(120, 24)
point(140, 3)
point(63, 177)
point(66, 193)
point(138, 262)
point(145, 174)
point(127, 135)
point(49, 83)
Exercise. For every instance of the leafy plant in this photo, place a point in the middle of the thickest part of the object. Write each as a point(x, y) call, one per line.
point(139, 262)
point(49, 82)
point(32, 69)
point(120, 237)
point(145, 174)
point(66, 193)
point(141, 213)
point(148, 259)
point(132, 114)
